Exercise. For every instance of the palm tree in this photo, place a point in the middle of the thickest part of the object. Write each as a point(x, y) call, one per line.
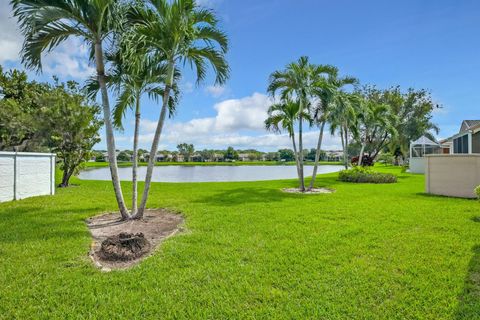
point(132, 80)
point(47, 23)
point(373, 118)
point(296, 81)
point(325, 90)
point(343, 117)
point(284, 116)
point(132, 84)
point(181, 33)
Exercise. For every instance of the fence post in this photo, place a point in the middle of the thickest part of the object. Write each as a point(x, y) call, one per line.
point(52, 175)
point(15, 176)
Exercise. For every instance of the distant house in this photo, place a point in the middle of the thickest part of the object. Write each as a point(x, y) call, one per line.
point(218, 157)
point(334, 155)
point(141, 157)
point(105, 155)
point(163, 157)
point(467, 140)
point(196, 157)
point(244, 156)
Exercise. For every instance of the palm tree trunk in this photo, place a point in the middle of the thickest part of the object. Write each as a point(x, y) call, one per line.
point(346, 147)
point(153, 152)
point(135, 157)
point(343, 147)
point(112, 159)
point(296, 155)
point(360, 156)
point(317, 156)
point(300, 153)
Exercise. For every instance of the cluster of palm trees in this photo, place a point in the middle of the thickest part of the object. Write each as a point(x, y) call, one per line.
point(139, 48)
point(312, 94)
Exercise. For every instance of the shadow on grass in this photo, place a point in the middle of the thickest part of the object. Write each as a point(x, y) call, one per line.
point(439, 196)
point(31, 224)
point(469, 299)
point(239, 196)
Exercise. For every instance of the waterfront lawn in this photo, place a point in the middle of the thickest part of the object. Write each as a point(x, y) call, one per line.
point(251, 251)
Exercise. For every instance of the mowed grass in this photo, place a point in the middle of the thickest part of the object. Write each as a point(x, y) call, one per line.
point(251, 252)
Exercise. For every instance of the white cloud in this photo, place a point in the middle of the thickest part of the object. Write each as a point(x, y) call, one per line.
point(10, 39)
point(238, 123)
point(187, 87)
point(147, 126)
point(216, 91)
point(69, 59)
point(209, 3)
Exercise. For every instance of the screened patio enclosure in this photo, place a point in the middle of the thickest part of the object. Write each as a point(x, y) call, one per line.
point(419, 149)
point(423, 146)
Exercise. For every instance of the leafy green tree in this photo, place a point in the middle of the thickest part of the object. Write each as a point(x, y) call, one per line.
point(46, 24)
point(19, 110)
point(271, 156)
point(99, 157)
point(286, 154)
point(414, 111)
point(123, 156)
point(186, 150)
point(182, 33)
point(231, 154)
point(386, 158)
point(69, 126)
point(373, 119)
point(207, 155)
point(312, 155)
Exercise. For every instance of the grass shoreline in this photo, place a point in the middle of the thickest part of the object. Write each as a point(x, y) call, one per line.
point(251, 251)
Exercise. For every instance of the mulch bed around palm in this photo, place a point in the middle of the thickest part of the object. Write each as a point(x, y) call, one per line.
point(121, 244)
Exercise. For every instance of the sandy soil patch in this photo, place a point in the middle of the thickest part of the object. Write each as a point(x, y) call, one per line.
point(156, 226)
point(311, 191)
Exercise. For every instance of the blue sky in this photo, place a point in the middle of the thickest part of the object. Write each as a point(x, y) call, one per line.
point(421, 44)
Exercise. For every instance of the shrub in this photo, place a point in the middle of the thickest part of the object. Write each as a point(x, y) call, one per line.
point(386, 158)
point(366, 175)
point(477, 191)
point(366, 160)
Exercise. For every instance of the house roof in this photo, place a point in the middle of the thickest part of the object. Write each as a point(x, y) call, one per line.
point(469, 124)
point(425, 141)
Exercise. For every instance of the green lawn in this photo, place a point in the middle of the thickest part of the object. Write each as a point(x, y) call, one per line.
point(251, 252)
point(225, 163)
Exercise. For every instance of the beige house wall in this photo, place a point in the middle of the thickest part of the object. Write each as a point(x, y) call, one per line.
point(454, 175)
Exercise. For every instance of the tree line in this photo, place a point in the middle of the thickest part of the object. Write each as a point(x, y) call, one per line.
point(374, 119)
point(189, 153)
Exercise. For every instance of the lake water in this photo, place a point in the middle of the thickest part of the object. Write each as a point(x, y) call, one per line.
point(208, 173)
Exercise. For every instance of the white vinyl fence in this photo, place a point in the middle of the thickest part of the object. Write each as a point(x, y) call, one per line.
point(25, 174)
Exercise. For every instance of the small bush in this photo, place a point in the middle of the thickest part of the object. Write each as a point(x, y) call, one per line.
point(366, 160)
point(366, 175)
point(477, 191)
